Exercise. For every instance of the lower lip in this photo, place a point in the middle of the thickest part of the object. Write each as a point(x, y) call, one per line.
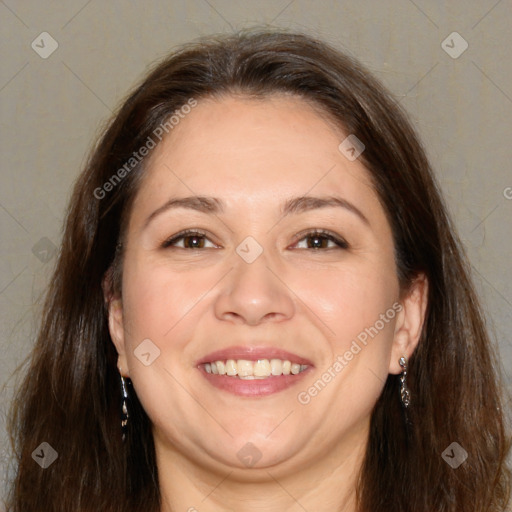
point(256, 387)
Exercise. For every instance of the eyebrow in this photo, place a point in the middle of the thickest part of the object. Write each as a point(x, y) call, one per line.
point(294, 205)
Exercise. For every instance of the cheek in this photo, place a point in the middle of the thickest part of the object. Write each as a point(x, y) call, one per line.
point(163, 307)
point(156, 299)
point(358, 307)
point(351, 300)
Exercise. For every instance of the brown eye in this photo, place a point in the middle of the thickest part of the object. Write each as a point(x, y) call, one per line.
point(321, 240)
point(188, 240)
point(193, 241)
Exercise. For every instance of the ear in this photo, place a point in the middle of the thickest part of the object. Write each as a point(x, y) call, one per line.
point(114, 305)
point(409, 323)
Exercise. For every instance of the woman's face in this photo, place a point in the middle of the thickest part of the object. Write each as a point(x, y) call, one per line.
point(258, 281)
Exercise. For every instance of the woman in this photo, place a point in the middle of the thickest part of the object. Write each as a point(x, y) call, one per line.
point(260, 304)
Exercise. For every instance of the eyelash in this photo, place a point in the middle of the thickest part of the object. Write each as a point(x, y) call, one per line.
point(319, 233)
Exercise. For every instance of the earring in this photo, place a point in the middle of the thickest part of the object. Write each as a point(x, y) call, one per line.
point(124, 409)
point(405, 395)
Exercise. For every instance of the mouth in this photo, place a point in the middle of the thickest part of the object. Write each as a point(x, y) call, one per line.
point(250, 370)
point(253, 371)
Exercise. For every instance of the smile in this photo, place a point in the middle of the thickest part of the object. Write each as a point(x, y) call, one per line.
point(250, 370)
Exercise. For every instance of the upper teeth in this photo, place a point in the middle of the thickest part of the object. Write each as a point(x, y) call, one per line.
point(259, 369)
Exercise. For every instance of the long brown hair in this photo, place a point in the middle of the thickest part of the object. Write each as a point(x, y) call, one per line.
point(71, 395)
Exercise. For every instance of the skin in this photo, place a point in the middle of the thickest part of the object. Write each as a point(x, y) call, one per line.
point(254, 154)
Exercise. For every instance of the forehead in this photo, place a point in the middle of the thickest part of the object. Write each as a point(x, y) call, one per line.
point(253, 151)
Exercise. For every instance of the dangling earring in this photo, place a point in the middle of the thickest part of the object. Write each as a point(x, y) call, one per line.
point(405, 395)
point(124, 410)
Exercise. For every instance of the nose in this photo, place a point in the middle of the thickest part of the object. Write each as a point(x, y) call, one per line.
point(252, 293)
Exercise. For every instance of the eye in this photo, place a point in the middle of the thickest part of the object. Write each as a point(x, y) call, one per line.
point(319, 239)
point(189, 239)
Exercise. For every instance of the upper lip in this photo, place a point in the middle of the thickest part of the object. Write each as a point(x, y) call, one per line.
point(252, 352)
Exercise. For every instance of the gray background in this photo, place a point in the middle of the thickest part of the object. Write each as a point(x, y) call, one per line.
point(53, 108)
